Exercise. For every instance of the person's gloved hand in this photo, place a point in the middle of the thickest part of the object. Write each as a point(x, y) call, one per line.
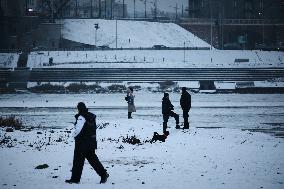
point(76, 116)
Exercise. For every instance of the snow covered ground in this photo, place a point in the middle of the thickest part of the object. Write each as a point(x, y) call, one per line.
point(130, 34)
point(195, 158)
point(157, 59)
point(224, 157)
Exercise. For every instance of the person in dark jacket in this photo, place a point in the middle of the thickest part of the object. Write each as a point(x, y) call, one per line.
point(85, 145)
point(130, 100)
point(185, 103)
point(167, 108)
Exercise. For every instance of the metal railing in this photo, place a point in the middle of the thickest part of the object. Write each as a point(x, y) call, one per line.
point(233, 21)
point(153, 74)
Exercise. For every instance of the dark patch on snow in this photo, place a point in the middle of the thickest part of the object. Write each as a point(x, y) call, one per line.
point(131, 140)
point(43, 166)
point(9, 129)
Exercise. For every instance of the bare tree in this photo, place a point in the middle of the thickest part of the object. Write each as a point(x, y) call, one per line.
point(55, 10)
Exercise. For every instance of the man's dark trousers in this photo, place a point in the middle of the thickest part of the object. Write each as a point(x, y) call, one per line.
point(85, 148)
point(166, 119)
point(185, 117)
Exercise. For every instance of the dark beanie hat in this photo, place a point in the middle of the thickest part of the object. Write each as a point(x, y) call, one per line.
point(166, 94)
point(82, 107)
point(183, 88)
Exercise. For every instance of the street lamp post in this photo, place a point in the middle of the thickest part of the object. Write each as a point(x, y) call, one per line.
point(145, 3)
point(26, 6)
point(96, 28)
point(76, 8)
point(156, 8)
point(184, 52)
point(176, 10)
point(91, 8)
point(182, 10)
point(100, 8)
point(134, 11)
point(52, 12)
point(111, 9)
point(211, 26)
point(105, 10)
point(116, 33)
point(123, 9)
point(261, 14)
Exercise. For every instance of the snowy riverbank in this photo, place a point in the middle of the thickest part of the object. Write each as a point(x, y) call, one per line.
point(157, 59)
point(195, 158)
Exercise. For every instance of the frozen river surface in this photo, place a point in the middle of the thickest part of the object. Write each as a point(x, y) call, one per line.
point(260, 112)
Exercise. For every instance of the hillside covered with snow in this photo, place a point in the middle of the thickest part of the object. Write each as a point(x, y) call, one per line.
point(130, 34)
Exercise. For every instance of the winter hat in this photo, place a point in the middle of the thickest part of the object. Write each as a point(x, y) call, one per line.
point(183, 88)
point(82, 107)
point(166, 94)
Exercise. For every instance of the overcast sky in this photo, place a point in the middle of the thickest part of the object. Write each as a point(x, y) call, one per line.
point(163, 5)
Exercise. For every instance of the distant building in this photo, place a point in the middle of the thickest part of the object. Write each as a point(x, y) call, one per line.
point(238, 24)
point(95, 9)
point(236, 9)
point(21, 27)
point(12, 8)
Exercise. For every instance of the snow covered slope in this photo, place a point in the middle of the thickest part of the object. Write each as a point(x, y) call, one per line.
point(130, 34)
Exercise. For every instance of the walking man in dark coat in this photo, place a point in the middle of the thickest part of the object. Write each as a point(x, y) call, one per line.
point(185, 103)
point(167, 108)
point(85, 145)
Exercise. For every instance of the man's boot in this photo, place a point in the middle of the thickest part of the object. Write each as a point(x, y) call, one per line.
point(71, 181)
point(129, 115)
point(104, 178)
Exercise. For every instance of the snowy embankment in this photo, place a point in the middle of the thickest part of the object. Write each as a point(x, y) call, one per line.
point(8, 60)
point(157, 59)
point(130, 34)
point(194, 158)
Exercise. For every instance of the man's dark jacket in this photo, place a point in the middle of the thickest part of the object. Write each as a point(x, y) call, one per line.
point(185, 101)
point(88, 132)
point(167, 106)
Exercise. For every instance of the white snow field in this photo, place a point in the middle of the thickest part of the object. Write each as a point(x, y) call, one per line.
point(130, 34)
point(223, 158)
point(194, 158)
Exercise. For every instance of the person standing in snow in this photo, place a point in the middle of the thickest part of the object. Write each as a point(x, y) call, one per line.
point(85, 145)
point(167, 108)
point(185, 103)
point(130, 100)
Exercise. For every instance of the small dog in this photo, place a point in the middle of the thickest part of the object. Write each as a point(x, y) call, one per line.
point(157, 137)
